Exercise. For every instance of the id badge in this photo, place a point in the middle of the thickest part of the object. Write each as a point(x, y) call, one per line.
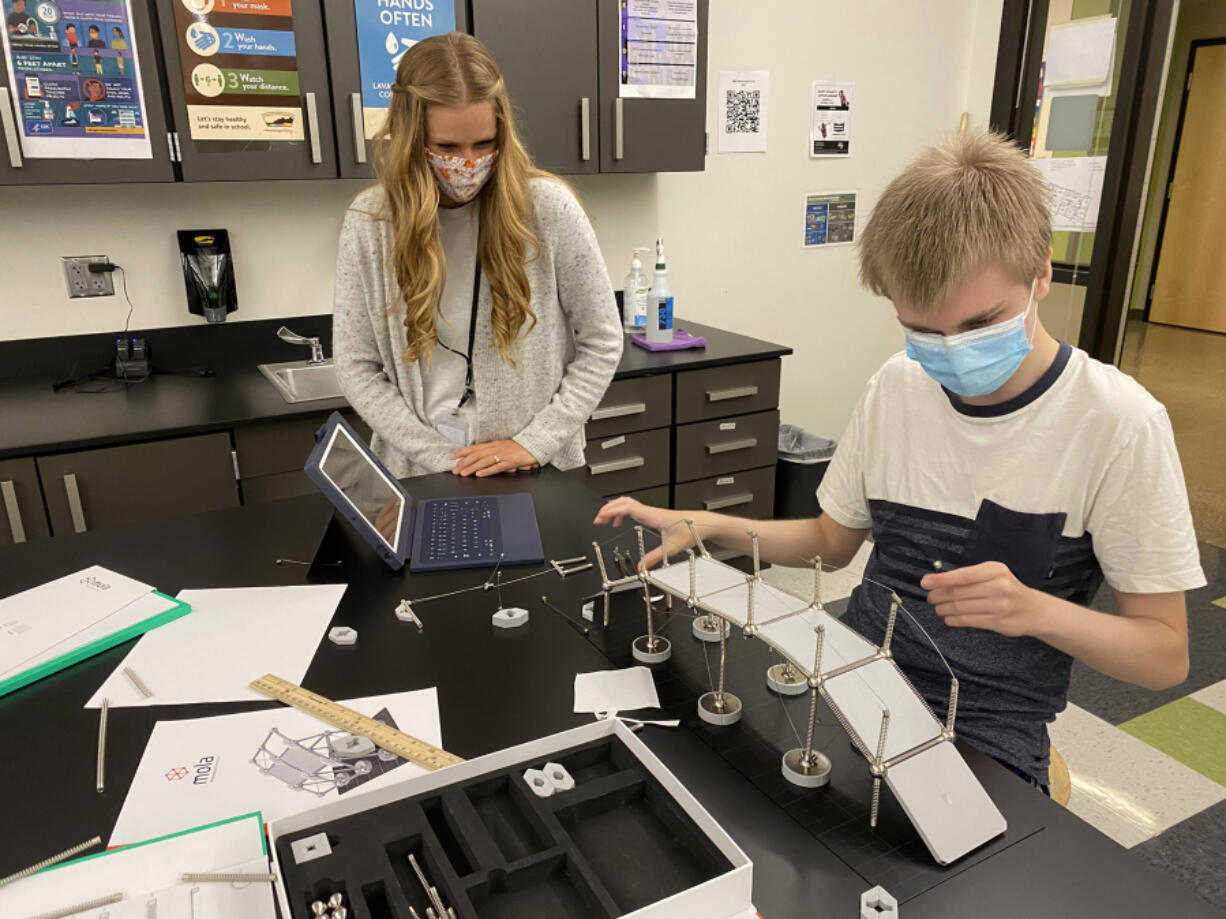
point(454, 429)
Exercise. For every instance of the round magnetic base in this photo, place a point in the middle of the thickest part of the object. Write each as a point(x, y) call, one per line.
point(813, 772)
point(787, 681)
point(710, 711)
point(707, 628)
point(644, 653)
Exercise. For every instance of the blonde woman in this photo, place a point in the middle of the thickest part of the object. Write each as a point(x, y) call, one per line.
point(474, 324)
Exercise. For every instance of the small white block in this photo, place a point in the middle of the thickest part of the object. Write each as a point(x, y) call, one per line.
point(539, 783)
point(878, 904)
point(559, 778)
point(512, 617)
point(310, 848)
point(589, 610)
point(343, 635)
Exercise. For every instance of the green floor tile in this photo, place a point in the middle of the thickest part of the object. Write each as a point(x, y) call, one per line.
point(1221, 601)
point(1186, 730)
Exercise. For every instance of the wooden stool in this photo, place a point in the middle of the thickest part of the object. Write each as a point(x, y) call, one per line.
point(1058, 779)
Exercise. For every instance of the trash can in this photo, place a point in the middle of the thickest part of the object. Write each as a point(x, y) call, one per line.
point(803, 459)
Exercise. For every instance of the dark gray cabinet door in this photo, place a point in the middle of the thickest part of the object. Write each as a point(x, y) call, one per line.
point(22, 516)
point(94, 489)
point(194, 78)
point(19, 169)
point(649, 135)
point(546, 50)
point(355, 155)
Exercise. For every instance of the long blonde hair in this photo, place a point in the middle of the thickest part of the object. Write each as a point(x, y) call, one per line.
point(454, 69)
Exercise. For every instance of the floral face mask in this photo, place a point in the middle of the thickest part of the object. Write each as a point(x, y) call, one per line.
point(459, 178)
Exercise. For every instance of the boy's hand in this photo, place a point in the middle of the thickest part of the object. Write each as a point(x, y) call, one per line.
point(653, 518)
point(983, 596)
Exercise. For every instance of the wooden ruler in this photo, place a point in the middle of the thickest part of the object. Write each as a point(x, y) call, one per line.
point(335, 714)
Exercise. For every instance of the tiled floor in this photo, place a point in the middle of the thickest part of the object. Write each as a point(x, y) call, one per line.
point(1147, 769)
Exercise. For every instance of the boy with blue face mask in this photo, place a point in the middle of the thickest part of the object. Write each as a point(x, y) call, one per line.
point(1003, 474)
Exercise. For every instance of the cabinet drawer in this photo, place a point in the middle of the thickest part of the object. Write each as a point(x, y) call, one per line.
point(655, 497)
point(735, 389)
point(628, 462)
point(22, 516)
point(743, 494)
point(636, 404)
point(283, 446)
point(94, 489)
point(274, 487)
point(728, 445)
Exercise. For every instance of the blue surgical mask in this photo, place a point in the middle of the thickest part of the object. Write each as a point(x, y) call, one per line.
point(977, 362)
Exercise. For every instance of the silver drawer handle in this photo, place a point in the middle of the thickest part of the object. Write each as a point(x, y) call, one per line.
point(745, 443)
point(735, 392)
point(619, 411)
point(619, 134)
point(74, 502)
point(359, 128)
point(715, 504)
point(617, 465)
point(312, 113)
point(13, 511)
point(10, 129)
point(585, 130)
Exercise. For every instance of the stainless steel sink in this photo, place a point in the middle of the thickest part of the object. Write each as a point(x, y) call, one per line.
point(303, 381)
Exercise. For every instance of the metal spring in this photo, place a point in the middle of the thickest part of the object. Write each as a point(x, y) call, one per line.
point(80, 907)
point(53, 860)
point(231, 877)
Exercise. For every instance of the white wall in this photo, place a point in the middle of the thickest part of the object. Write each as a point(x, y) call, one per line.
point(732, 232)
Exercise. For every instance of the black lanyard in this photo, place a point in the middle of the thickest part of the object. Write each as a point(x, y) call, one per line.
point(469, 392)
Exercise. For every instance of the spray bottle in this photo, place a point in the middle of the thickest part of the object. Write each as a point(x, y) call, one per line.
point(660, 301)
point(634, 295)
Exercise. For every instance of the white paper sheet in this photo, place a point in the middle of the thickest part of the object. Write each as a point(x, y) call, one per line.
point(1076, 184)
point(615, 691)
point(1080, 52)
point(37, 620)
point(742, 103)
point(151, 874)
point(659, 49)
point(230, 638)
point(830, 111)
point(199, 770)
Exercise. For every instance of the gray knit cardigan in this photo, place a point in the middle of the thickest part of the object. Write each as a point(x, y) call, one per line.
point(564, 364)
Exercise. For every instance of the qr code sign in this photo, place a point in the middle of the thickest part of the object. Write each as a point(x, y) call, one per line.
point(741, 111)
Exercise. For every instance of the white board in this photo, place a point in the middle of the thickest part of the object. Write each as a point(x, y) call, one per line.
point(864, 693)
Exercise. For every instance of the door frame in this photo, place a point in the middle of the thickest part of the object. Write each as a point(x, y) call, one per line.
point(1196, 45)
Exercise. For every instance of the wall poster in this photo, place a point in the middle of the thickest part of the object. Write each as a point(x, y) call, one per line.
point(75, 77)
point(830, 218)
point(386, 30)
point(658, 56)
point(830, 119)
point(240, 69)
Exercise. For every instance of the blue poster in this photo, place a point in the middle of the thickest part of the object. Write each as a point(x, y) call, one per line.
point(386, 30)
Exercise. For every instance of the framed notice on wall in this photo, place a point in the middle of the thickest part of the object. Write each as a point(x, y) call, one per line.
point(75, 77)
point(386, 30)
point(240, 69)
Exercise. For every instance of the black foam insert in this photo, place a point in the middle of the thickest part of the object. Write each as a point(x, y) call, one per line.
point(494, 850)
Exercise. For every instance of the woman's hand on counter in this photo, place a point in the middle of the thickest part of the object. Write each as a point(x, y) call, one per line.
point(492, 458)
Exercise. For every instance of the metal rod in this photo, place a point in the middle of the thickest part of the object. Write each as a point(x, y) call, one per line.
point(817, 654)
point(53, 860)
point(425, 885)
point(137, 682)
point(651, 634)
point(872, 817)
point(757, 565)
point(578, 626)
point(817, 583)
point(664, 546)
point(638, 530)
point(228, 878)
point(953, 705)
point(723, 660)
point(885, 727)
point(80, 907)
point(895, 603)
point(702, 548)
point(693, 597)
point(751, 627)
point(808, 754)
point(101, 773)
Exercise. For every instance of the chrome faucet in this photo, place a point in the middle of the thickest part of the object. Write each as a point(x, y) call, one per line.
point(293, 338)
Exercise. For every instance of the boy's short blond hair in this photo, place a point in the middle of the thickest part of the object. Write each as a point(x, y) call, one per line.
point(965, 203)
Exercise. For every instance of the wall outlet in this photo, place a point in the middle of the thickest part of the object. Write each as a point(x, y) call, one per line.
point(84, 283)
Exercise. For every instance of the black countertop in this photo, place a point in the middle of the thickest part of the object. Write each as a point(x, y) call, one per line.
point(178, 401)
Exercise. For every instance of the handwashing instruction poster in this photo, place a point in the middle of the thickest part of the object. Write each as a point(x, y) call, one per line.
point(658, 57)
point(830, 218)
point(830, 119)
point(386, 30)
point(240, 69)
point(75, 78)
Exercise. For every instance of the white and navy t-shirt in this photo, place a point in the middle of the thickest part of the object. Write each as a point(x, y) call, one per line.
point(1073, 481)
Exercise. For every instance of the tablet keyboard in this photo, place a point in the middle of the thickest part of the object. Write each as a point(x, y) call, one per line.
point(461, 530)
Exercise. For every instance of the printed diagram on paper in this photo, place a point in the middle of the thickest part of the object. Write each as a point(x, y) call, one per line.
point(1076, 185)
point(658, 55)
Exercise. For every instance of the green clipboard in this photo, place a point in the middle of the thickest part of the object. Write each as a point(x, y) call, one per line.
point(46, 668)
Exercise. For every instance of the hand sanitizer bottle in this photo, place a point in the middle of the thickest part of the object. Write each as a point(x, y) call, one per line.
point(634, 295)
point(660, 301)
